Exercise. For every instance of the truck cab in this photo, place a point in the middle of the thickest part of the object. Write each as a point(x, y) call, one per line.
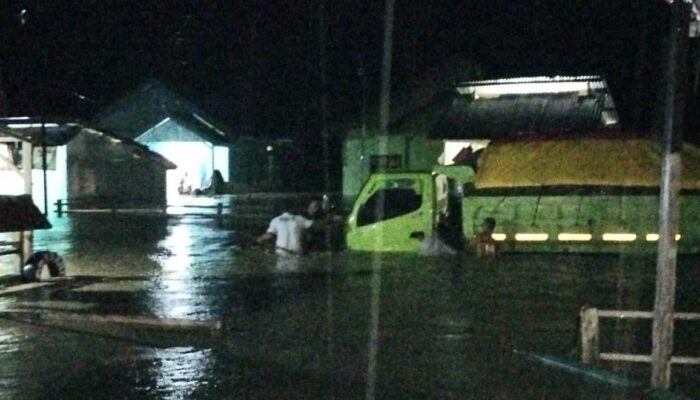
point(395, 209)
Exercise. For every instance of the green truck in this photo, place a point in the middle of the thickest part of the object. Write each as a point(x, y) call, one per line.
point(587, 194)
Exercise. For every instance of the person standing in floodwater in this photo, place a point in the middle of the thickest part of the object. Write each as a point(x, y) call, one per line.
point(326, 232)
point(287, 229)
point(483, 244)
point(314, 238)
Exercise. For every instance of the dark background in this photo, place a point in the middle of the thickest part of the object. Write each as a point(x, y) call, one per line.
point(255, 64)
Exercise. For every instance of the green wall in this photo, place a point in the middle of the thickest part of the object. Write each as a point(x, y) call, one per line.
point(417, 153)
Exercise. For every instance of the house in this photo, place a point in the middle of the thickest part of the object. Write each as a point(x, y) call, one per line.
point(473, 113)
point(89, 167)
point(172, 126)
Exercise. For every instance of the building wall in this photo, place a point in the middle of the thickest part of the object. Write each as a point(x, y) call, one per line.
point(192, 154)
point(56, 178)
point(376, 153)
point(12, 179)
point(104, 173)
point(196, 159)
point(263, 166)
point(221, 161)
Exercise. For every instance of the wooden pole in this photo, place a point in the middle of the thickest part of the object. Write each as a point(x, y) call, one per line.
point(323, 77)
point(589, 335)
point(26, 238)
point(662, 336)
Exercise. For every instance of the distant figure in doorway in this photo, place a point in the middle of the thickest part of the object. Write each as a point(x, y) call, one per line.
point(483, 244)
point(216, 185)
point(185, 186)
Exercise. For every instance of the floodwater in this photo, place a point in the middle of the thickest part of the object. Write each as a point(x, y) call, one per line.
point(342, 326)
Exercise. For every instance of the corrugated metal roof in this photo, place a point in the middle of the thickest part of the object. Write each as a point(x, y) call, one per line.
point(135, 147)
point(19, 214)
point(58, 132)
point(608, 160)
point(62, 132)
point(171, 129)
point(151, 103)
point(504, 116)
point(491, 109)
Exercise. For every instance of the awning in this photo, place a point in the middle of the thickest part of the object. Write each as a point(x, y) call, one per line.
point(20, 214)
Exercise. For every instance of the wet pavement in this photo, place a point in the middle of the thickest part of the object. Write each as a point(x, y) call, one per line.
point(342, 326)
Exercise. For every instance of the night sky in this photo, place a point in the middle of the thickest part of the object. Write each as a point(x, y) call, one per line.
point(255, 64)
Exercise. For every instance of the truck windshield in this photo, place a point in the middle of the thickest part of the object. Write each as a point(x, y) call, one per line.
point(387, 203)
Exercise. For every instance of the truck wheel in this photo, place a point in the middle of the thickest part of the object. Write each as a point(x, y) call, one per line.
point(31, 272)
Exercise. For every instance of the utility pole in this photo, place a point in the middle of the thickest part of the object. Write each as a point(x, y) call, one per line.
point(376, 280)
point(669, 207)
point(43, 55)
point(324, 93)
point(385, 96)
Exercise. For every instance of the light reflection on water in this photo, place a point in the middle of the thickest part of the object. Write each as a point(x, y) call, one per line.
point(346, 326)
point(11, 339)
point(180, 371)
point(174, 292)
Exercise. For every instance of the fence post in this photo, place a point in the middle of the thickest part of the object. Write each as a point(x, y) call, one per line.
point(219, 212)
point(590, 334)
point(59, 207)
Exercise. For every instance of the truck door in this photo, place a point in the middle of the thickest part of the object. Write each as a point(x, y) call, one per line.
point(390, 212)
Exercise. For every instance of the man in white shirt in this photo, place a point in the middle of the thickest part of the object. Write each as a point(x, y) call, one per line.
point(287, 229)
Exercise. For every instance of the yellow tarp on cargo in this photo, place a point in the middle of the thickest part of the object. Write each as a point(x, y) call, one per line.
point(593, 161)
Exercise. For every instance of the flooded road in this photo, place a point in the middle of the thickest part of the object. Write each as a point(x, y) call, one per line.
point(342, 326)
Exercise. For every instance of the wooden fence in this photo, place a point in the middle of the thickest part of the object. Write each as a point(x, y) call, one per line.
point(590, 336)
point(253, 205)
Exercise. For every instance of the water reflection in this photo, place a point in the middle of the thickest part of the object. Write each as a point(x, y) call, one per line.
point(173, 291)
point(382, 326)
point(11, 339)
point(287, 263)
point(180, 371)
point(373, 344)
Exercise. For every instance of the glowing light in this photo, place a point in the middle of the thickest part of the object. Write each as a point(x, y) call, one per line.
point(653, 237)
point(609, 118)
point(493, 89)
point(619, 237)
point(499, 237)
point(25, 126)
point(16, 118)
point(531, 237)
point(269, 148)
point(574, 237)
